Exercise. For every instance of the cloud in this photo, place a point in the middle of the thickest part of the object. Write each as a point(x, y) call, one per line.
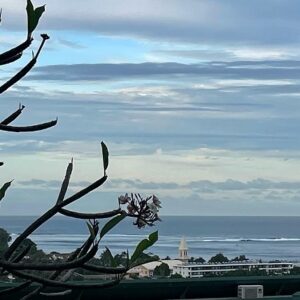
point(257, 70)
point(212, 120)
point(259, 22)
point(70, 44)
point(50, 184)
point(204, 186)
point(204, 197)
point(253, 117)
point(238, 53)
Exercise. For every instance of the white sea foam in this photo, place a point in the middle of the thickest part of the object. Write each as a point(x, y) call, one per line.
point(166, 240)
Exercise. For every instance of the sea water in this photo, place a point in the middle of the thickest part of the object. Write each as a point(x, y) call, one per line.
point(266, 238)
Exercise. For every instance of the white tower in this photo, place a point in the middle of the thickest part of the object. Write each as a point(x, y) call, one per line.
point(183, 250)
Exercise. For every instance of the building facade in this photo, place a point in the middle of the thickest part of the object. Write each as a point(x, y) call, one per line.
point(200, 270)
point(183, 250)
point(146, 270)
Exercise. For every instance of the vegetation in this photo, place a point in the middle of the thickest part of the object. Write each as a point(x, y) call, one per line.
point(176, 276)
point(21, 258)
point(295, 271)
point(218, 258)
point(162, 270)
point(254, 272)
point(198, 260)
point(240, 258)
point(4, 239)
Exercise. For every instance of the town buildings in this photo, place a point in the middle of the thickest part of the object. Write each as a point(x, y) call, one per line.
point(182, 266)
point(191, 270)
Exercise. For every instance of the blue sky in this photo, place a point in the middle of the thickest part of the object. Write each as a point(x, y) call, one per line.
point(198, 102)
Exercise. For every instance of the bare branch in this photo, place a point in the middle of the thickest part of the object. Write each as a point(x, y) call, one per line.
point(6, 56)
point(52, 266)
point(55, 274)
point(63, 293)
point(50, 213)
point(105, 270)
point(87, 216)
point(25, 70)
point(31, 128)
point(11, 59)
point(65, 184)
point(13, 116)
point(21, 255)
point(15, 289)
point(54, 283)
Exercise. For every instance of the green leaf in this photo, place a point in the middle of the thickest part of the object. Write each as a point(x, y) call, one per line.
point(139, 262)
point(4, 188)
point(113, 263)
point(143, 245)
point(33, 16)
point(105, 155)
point(91, 229)
point(111, 224)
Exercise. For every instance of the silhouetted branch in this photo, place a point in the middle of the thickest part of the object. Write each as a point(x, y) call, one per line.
point(65, 183)
point(105, 270)
point(63, 293)
point(55, 294)
point(15, 289)
point(87, 216)
point(30, 128)
point(83, 192)
point(13, 261)
point(52, 266)
point(21, 255)
point(25, 70)
point(8, 55)
point(56, 273)
point(11, 59)
point(50, 213)
point(13, 116)
point(67, 285)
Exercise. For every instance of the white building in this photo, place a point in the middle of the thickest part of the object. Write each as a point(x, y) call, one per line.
point(199, 270)
point(183, 251)
point(193, 270)
point(146, 270)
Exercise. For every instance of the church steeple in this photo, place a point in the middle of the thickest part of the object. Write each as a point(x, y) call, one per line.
point(183, 250)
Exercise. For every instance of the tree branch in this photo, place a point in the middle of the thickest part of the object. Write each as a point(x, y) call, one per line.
point(25, 70)
point(54, 283)
point(5, 56)
point(31, 128)
point(13, 116)
point(52, 266)
point(87, 216)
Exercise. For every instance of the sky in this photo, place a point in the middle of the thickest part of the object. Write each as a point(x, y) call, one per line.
point(198, 102)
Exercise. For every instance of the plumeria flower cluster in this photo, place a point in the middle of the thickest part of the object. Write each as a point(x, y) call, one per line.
point(144, 210)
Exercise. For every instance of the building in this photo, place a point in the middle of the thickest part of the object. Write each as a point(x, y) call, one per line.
point(200, 270)
point(146, 270)
point(183, 251)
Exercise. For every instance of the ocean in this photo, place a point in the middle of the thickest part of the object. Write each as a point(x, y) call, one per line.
point(266, 238)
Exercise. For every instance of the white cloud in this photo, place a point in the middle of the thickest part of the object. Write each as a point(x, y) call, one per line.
point(167, 125)
point(176, 166)
point(191, 21)
point(260, 54)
